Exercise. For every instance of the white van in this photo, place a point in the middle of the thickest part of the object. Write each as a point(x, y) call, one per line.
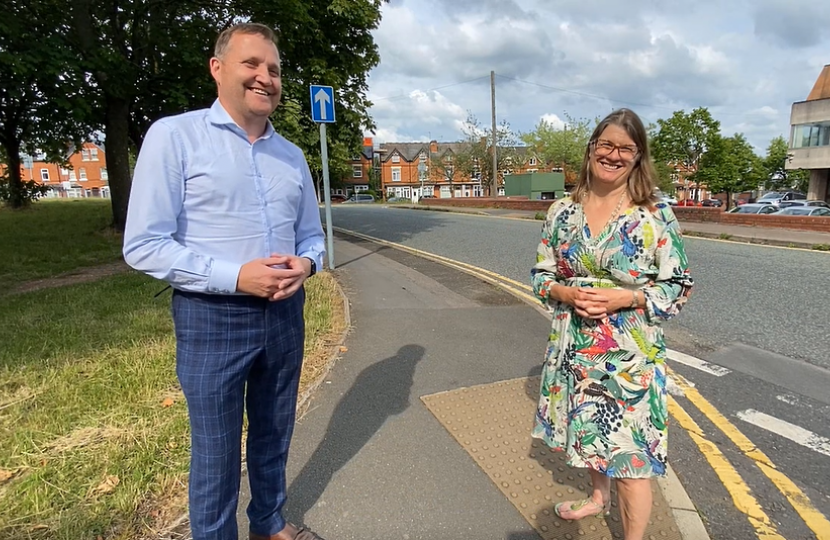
point(359, 198)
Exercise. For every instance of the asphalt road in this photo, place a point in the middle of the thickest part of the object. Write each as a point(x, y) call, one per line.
point(758, 311)
point(774, 299)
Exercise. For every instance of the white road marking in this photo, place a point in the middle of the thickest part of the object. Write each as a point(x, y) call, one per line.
point(789, 400)
point(792, 432)
point(697, 363)
point(673, 388)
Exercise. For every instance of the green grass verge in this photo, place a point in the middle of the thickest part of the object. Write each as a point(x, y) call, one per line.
point(87, 445)
point(53, 237)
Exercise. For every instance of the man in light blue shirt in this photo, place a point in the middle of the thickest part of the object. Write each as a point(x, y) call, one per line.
point(224, 209)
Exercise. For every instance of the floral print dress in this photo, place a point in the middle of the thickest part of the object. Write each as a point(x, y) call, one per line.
point(603, 392)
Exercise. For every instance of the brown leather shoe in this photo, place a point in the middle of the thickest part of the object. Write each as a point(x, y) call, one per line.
point(289, 532)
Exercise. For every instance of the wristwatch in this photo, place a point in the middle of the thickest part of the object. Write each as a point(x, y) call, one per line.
point(313, 266)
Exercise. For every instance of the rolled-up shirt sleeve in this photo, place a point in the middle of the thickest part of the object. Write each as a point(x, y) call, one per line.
point(308, 229)
point(156, 200)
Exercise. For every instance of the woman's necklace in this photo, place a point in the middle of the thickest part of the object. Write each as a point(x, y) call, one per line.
point(592, 240)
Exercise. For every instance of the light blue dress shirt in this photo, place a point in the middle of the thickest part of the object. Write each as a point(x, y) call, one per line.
point(205, 201)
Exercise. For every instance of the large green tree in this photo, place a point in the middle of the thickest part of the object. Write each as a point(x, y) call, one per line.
point(563, 147)
point(778, 177)
point(729, 166)
point(44, 99)
point(684, 138)
point(148, 59)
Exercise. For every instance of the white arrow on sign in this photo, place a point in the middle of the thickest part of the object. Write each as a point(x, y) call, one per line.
point(322, 97)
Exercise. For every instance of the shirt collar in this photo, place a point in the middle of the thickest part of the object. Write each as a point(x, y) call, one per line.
point(220, 117)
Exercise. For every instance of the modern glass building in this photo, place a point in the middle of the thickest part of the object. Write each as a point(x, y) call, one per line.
point(810, 137)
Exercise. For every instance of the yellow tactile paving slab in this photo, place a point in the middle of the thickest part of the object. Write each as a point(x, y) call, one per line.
point(492, 423)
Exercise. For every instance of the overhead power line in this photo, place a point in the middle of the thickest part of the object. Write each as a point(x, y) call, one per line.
point(404, 96)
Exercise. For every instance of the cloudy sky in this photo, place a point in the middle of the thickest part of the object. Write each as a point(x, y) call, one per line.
point(746, 60)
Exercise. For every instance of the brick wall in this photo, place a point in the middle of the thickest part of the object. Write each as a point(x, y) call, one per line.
point(716, 215)
point(512, 203)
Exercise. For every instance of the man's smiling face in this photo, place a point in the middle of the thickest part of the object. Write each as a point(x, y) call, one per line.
point(248, 77)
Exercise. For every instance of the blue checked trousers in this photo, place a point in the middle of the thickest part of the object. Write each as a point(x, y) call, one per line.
point(235, 352)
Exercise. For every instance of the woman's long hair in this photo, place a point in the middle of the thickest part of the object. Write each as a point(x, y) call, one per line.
point(643, 178)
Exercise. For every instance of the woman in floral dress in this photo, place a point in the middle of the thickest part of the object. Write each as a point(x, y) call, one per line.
point(611, 267)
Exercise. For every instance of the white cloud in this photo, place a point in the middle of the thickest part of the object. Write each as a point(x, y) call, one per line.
point(583, 59)
point(554, 121)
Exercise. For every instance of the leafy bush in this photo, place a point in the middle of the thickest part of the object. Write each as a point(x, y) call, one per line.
point(28, 192)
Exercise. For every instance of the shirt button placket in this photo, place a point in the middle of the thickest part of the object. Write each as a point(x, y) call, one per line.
point(269, 248)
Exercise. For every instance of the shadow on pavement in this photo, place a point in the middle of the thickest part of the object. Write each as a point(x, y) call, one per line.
point(379, 392)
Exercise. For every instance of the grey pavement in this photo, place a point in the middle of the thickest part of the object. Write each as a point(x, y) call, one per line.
point(368, 460)
point(758, 311)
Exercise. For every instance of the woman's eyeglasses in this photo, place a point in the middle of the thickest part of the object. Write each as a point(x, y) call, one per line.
point(604, 148)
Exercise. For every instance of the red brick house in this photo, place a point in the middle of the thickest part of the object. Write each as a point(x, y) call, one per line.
point(85, 175)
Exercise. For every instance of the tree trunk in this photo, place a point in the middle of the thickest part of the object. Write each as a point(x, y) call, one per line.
point(118, 158)
point(16, 196)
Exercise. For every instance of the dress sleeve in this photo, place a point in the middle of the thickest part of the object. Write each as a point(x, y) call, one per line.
point(547, 270)
point(668, 292)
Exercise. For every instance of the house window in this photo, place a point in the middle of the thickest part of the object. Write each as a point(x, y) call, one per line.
point(422, 157)
point(93, 154)
point(532, 161)
point(64, 172)
point(44, 175)
point(357, 171)
point(396, 174)
point(360, 189)
point(82, 174)
point(72, 174)
point(532, 170)
point(396, 158)
point(85, 155)
point(104, 174)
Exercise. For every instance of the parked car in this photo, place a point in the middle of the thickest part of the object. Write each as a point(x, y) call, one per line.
point(398, 199)
point(753, 208)
point(717, 203)
point(359, 198)
point(777, 197)
point(804, 211)
point(688, 202)
point(787, 204)
point(335, 199)
point(661, 197)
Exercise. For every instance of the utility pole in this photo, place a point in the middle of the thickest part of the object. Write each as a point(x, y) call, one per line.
point(495, 188)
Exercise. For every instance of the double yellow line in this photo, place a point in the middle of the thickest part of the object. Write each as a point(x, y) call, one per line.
point(740, 492)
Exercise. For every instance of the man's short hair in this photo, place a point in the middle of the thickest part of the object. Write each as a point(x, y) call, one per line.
point(243, 28)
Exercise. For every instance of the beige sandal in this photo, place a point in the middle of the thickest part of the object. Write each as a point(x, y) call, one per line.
point(575, 506)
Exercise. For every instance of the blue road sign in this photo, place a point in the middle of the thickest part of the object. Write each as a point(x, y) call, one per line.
point(322, 104)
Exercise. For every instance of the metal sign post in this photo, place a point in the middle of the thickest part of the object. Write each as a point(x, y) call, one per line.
point(322, 112)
